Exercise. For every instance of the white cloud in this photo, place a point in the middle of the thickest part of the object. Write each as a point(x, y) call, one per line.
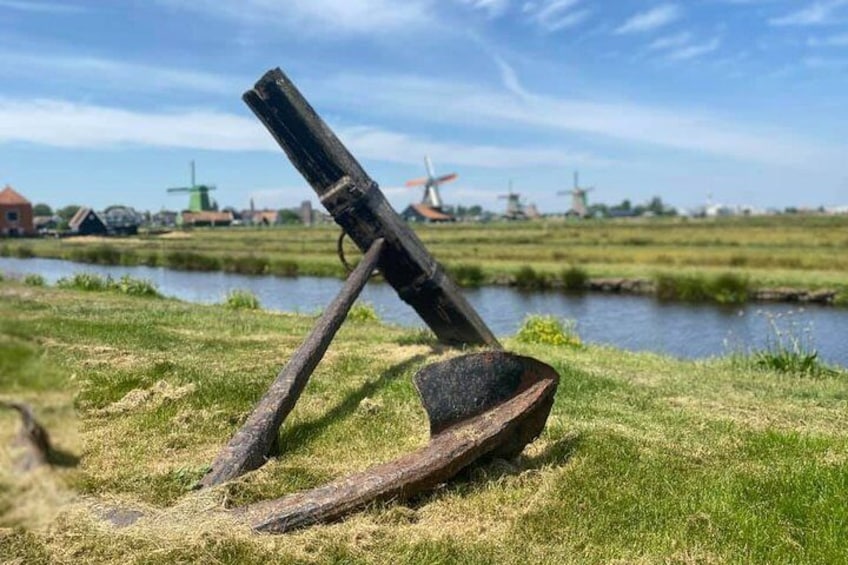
point(65, 124)
point(671, 41)
point(510, 79)
point(650, 20)
point(116, 74)
point(40, 7)
point(840, 40)
point(555, 15)
point(639, 125)
point(493, 7)
point(818, 13)
point(694, 50)
point(379, 144)
point(277, 198)
point(326, 17)
point(826, 63)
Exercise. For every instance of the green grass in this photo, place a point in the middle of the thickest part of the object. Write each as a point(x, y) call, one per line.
point(644, 458)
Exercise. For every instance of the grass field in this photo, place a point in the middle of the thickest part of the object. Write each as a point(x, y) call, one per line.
point(644, 459)
point(793, 251)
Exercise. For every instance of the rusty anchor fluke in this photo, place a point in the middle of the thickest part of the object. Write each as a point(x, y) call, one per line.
point(482, 404)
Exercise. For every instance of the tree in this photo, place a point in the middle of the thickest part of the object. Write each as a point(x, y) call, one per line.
point(656, 206)
point(42, 209)
point(288, 217)
point(67, 212)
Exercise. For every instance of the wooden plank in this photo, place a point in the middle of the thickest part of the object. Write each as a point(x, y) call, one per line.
point(361, 209)
point(249, 448)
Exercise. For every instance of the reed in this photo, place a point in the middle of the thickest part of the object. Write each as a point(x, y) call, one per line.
point(83, 281)
point(725, 288)
point(527, 278)
point(284, 268)
point(574, 279)
point(240, 299)
point(95, 283)
point(191, 261)
point(34, 280)
point(24, 252)
point(245, 264)
point(467, 275)
point(789, 349)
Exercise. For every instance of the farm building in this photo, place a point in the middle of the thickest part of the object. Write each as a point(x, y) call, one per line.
point(122, 220)
point(206, 218)
point(87, 222)
point(15, 214)
point(265, 217)
point(424, 213)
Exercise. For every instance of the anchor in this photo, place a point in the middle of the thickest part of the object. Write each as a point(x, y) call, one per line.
point(486, 404)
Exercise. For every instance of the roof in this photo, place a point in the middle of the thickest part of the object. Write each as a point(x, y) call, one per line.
point(10, 197)
point(208, 216)
point(80, 217)
point(431, 213)
point(269, 216)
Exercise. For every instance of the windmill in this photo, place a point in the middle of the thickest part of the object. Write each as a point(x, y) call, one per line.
point(514, 207)
point(431, 182)
point(579, 202)
point(199, 200)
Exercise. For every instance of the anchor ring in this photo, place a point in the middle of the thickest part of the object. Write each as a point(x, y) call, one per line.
point(340, 251)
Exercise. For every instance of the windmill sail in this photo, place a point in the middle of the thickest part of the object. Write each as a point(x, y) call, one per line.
point(431, 182)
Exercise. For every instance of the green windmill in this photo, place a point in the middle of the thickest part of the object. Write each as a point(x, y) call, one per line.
point(198, 200)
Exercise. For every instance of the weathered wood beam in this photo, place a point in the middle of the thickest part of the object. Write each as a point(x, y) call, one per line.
point(361, 209)
point(250, 446)
point(503, 430)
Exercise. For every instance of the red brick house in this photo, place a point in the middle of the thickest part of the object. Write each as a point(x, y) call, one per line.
point(15, 214)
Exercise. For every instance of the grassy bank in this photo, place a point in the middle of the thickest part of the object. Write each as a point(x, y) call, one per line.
point(644, 459)
point(787, 251)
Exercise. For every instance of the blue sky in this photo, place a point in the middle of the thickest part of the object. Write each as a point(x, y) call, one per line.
point(106, 102)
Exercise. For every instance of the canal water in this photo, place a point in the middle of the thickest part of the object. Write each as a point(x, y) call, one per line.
point(635, 323)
